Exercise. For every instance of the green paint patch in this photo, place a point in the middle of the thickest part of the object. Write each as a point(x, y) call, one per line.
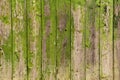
point(7, 48)
point(76, 3)
point(5, 19)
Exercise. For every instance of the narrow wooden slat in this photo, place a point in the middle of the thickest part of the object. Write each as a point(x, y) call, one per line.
point(53, 40)
point(78, 29)
point(5, 40)
point(19, 42)
point(106, 52)
point(34, 48)
point(63, 40)
point(116, 26)
point(92, 40)
point(48, 41)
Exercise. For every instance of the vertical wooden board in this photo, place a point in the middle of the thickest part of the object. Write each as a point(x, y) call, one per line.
point(92, 40)
point(63, 40)
point(34, 47)
point(116, 37)
point(48, 39)
point(19, 40)
point(53, 40)
point(48, 36)
point(5, 40)
point(45, 39)
point(78, 49)
point(106, 53)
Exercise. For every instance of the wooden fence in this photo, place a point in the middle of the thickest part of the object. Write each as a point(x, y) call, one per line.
point(59, 39)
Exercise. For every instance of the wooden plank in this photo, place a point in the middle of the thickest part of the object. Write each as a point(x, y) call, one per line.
point(78, 40)
point(5, 40)
point(48, 39)
point(45, 38)
point(19, 41)
point(116, 27)
point(106, 53)
point(63, 40)
point(53, 40)
point(92, 40)
point(34, 55)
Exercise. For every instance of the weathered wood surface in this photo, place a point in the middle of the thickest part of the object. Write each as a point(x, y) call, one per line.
point(116, 47)
point(6, 41)
point(92, 40)
point(106, 41)
point(59, 40)
point(19, 40)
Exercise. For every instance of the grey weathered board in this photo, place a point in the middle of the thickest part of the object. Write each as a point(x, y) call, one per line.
point(59, 39)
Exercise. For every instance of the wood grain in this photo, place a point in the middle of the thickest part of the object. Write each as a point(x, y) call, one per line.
point(6, 41)
point(59, 40)
point(106, 30)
